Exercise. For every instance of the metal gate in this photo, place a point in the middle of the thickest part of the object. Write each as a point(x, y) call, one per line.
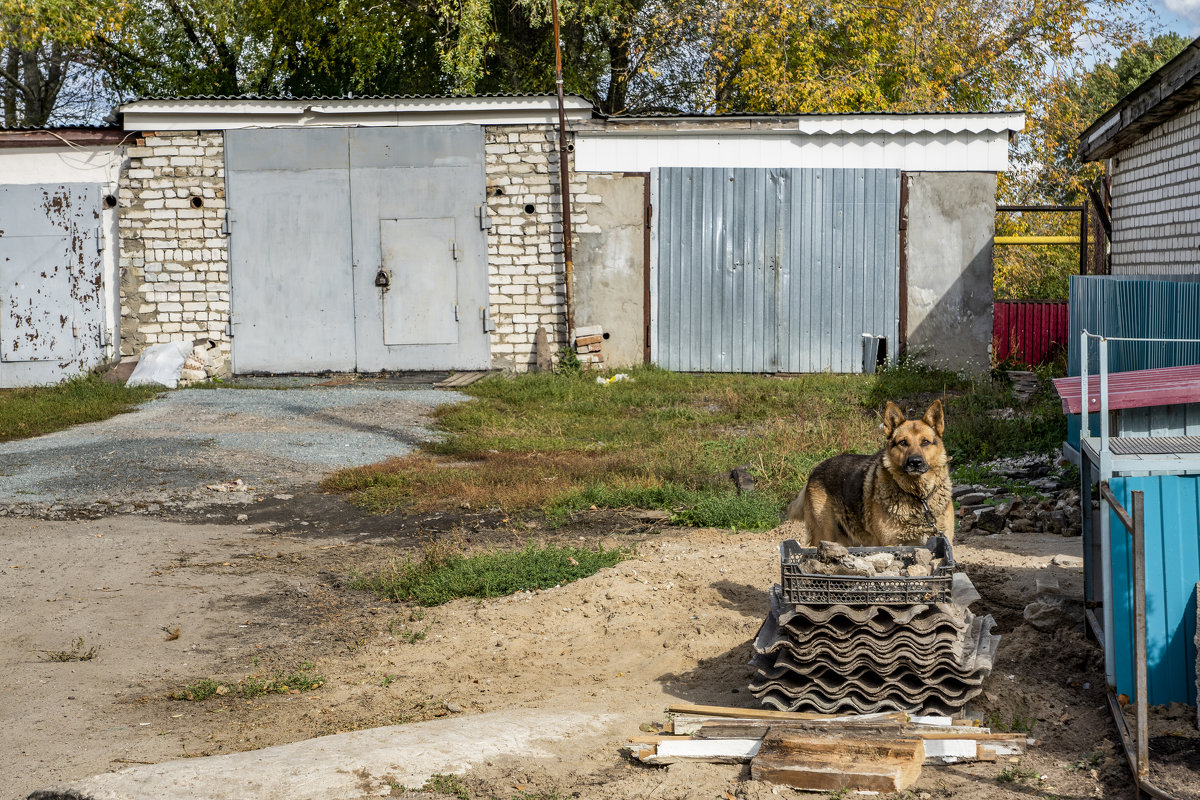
point(357, 249)
point(51, 282)
point(775, 270)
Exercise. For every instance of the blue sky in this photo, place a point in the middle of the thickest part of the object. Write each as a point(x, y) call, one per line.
point(1181, 16)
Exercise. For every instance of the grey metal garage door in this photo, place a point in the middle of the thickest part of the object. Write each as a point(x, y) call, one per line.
point(51, 285)
point(775, 270)
point(357, 249)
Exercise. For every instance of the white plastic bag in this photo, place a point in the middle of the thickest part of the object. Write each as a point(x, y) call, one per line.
point(161, 364)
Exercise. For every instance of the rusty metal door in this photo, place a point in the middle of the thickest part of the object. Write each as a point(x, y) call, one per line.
point(51, 282)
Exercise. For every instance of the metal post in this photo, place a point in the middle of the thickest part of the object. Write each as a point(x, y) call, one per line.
point(1083, 238)
point(1139, 635)
point(564, 177)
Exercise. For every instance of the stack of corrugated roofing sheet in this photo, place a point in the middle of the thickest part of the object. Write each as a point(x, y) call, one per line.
point(868, 658)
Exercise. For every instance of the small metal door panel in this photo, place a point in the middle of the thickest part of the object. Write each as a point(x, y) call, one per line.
point(420, 302)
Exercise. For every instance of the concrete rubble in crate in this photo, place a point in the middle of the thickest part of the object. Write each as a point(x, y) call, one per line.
point(872, 658)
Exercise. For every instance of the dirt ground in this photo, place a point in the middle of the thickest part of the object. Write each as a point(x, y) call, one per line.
point(672, 624)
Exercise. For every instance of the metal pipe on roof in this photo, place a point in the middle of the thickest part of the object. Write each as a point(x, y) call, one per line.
point(564, 176)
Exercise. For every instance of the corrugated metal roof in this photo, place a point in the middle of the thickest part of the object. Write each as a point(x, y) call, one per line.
point(327, 98)
point(36, 128)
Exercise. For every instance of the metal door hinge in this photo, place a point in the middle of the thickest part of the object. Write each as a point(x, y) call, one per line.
point(99, 239)
point(485, 219)
point(227, 223)
point(488, 324)
point(229, 329)
point(454, 251)
point(456, 312)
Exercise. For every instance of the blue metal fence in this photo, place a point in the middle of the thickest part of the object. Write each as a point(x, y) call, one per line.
point(1172, 525)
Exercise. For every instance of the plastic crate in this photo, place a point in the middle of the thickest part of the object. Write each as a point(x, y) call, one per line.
point(802, 588)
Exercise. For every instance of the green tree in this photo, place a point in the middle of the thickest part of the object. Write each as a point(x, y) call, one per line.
point(43, 44)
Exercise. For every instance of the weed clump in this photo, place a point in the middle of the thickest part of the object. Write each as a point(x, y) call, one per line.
point(303, 679)
point(444, 574)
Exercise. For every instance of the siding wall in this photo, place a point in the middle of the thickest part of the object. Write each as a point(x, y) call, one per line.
point(1156, 201)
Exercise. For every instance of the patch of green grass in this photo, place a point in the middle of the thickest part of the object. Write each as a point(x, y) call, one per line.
point(1018, 722)
point(76, 653)
point(1016, 775)
point(697, 507)
point(561, 443)
point(1088, 761)
point(444, 574)
point(40, 410)
point(447, 784)
point(302, 679)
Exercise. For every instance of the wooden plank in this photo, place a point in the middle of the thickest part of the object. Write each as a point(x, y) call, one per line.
point(830, 764)
point(758, 728)
point(1140, 388)
point(763, 713)
point(693, 723)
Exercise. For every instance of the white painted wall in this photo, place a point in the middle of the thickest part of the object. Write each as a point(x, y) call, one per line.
point(100, 164)
point(923, 151)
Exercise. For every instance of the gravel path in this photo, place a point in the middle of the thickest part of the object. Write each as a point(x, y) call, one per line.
point(172, 447)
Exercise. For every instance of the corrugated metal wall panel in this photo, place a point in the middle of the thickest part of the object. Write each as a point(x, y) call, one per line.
point(1116, 305)
point(1029, 330)
point(770, 270)
point(1119, 305)
point(1172, 505)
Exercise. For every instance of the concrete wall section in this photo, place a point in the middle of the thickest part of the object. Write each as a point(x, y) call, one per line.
point(174, 255)
point(1156, 200)
point(610, 267)
point(951, 223)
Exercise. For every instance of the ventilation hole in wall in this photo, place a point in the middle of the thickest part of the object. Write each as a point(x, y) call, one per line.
point(606, 335)
point(571, 148)
point(196, 201)
point(110, 201)
point(529, 209)
point(498, 191)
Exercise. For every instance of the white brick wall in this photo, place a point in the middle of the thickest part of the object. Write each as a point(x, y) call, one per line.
point(1156, 200)
point(174, 258)
point(525, 249)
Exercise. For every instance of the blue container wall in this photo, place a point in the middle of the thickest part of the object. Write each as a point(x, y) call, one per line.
point(1172, 507)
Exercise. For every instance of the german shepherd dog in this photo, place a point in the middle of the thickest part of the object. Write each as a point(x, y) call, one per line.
point(890, 498)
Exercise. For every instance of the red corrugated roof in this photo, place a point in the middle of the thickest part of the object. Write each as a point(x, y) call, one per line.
point(1139, 388)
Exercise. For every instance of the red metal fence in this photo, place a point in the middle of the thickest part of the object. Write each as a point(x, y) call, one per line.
point(1029, 331)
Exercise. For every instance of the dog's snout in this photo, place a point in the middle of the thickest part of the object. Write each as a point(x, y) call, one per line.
point(915, 463)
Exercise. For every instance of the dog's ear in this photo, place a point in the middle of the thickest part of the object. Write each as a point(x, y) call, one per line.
point(934, 417)
point(893, 418)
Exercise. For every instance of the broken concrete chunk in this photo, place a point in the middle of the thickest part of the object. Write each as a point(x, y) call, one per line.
point(918, 571)
point(880, 561)
point(923, 556)
point(831, 552)
point(856, 565)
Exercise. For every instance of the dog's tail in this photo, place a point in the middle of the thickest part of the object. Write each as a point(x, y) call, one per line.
point(795, 509)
